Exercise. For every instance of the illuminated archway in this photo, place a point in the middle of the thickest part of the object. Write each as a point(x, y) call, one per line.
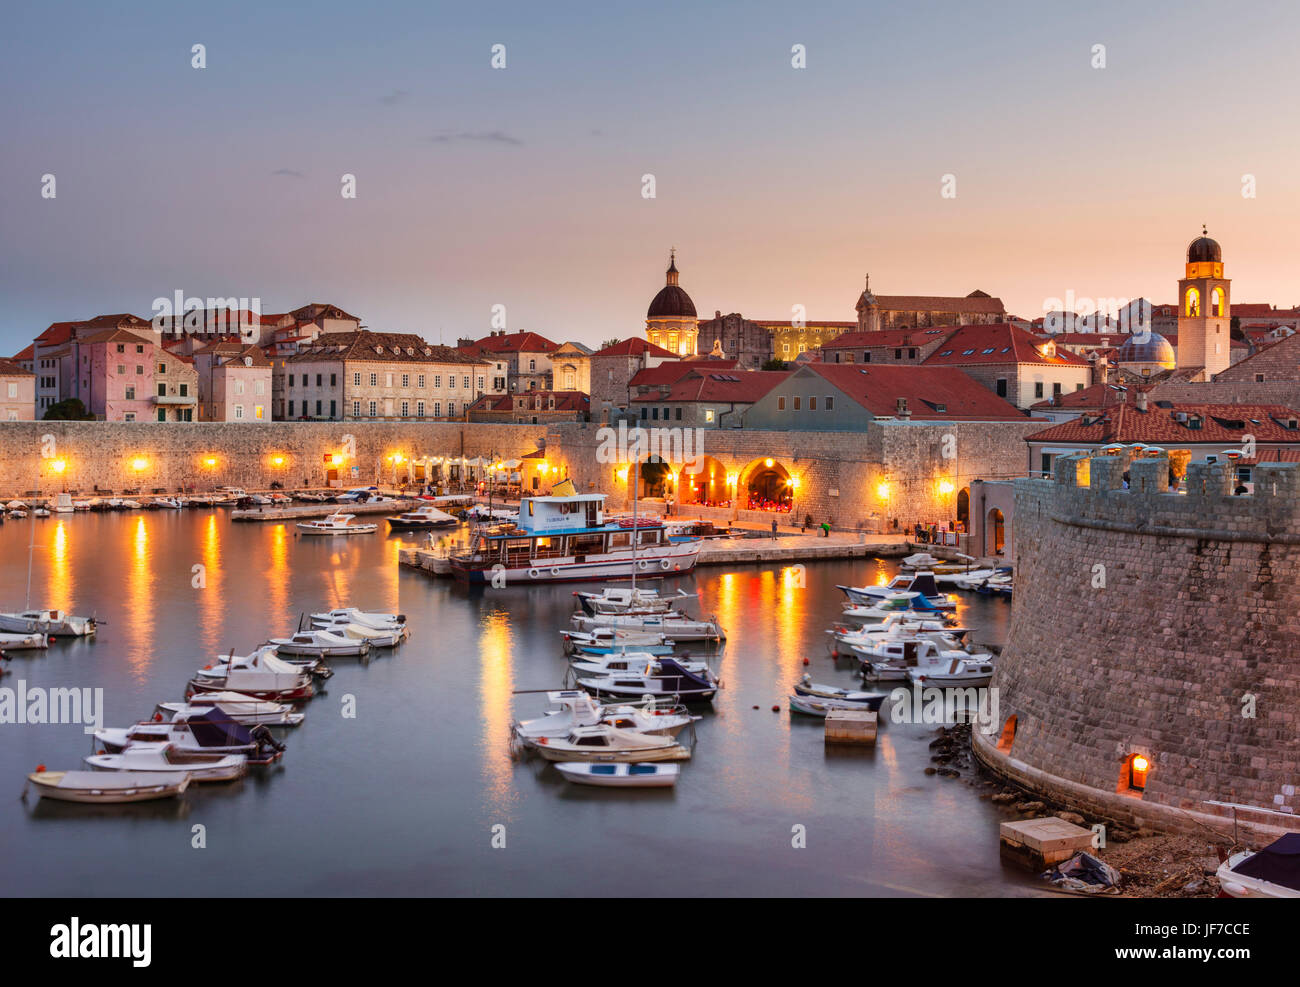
point(1192, 302)
point(766, 485)
point(963, 508)
point(994, 532)
point(707, 486)
point(656, 477)
point(1218, 302)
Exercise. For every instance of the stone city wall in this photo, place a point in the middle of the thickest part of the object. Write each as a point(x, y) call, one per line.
point(1155, 624)
point(146, 456)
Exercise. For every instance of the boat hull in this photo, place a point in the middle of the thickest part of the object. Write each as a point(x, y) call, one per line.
point(651, 563)
point(665, 777)
point(673, 752)
point(134, 788)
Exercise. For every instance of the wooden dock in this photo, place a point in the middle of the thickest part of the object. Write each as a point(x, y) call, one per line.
point(298, 512)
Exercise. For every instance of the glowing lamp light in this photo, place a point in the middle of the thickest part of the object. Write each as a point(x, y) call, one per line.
point(336, 459)
point(210, 461)
point(139, 463)
point(946, 487)
point(1140, 767)
point(622, 474)
point(768, 463)
point(882, 491)
point(397, 459)
point(794, 482)
point(58, 466)
point(277, 460)
point(732, 479)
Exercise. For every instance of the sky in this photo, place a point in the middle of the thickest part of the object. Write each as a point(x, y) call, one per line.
point(523, 186)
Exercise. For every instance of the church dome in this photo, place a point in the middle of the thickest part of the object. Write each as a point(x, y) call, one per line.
point(1148, 347)
point(672, 302)
point(1203, 250)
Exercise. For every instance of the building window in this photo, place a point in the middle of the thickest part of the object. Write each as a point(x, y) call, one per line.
point(678, 415)
point(480, 383)
point(866, 357)
point(239, 411)
point(121, 348)
point(406, 380)
point(437, 409)
point(406, 409)
point(290, 409)
point(259, 387)
point(812, 403)
point(451, 409)
point(130, 393)
point(780, 404)
point(162, 368)
point(830, 403)
point(419, 409)
point(333, 409)
point(1038, 388)
point(121, 369)
point(1259, 378)
point(356, 380)
point(318, 407)
point(129, 416)
point(374, 380)
point(291, 380)
point(796, 403)
point(437, 380)
point(373, 407)
point(419, 381)
point(464, 382)
point(356, 409)
point(708, 414)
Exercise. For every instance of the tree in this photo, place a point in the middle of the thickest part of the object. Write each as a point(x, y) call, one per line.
point(610, 342)
point(774, 364)
point(68, 410)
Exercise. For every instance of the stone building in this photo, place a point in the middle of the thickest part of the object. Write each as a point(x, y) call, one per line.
point(733, 336)
point(1148, 676)
point(877, 312)
point(571, 367)
point(526, 357)
point(1012, 363)
point(1204, 310)
point(703, 396)
point(368, 375)
point(886, 346)
point(17, 392)
point(235, 382)
point(531, 408)
point(58, 362)
point(612, 369)
point(175, 387)
point(670, 321)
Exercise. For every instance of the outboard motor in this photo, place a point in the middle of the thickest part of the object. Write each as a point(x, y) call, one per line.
point(265, 740)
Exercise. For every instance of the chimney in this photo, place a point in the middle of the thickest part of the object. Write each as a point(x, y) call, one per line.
point(1141, 400)
point(900, 409)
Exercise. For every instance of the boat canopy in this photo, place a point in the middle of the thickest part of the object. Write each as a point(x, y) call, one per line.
point(215, 728)
point(1277, 863)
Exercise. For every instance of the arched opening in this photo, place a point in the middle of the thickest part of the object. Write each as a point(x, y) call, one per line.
point(994, 533)
point(706, 487)
point(656, 477)
point(1218, 303)
point(1134, 772)
point(765, 486)
point(1008, 734)
point(1192, 302)
point(963, 509)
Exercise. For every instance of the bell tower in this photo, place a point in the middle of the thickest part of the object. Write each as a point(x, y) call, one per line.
point(1204, 309)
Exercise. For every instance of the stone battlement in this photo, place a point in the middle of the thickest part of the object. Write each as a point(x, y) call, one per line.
point(1155, 628)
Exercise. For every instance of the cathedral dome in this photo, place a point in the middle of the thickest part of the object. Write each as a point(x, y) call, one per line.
point(1148, 347)
point(1203, 250)
point(672, 302)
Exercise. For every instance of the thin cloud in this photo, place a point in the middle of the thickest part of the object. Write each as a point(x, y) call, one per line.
point(288, 173)
point(482, 137)
point(394, 97)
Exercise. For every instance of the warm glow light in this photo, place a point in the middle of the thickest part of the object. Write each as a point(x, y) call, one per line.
point(794, 482)
point(946, 487)
point(397, 459)
point(732, 479)
point(336, 459)
point(58, 466)
point(622, 474)
point(139, 464)
point(210, 461)
point(1140, 764)
point(277, 460)
point(768, 463)
point(882, 491)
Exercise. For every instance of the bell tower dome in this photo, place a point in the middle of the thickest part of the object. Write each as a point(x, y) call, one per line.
point(1204, 309)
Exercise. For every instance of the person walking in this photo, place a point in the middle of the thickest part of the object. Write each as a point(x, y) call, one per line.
point(774, 529)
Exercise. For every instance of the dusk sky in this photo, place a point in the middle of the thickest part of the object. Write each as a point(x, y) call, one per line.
point(522, 186)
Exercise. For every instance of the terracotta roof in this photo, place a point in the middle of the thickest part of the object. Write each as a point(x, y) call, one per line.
point(521, 341)
point(1098, 339)
point(668, 372)
point(980, 303)
point(888, 338)
point(635, 347)
point(730, 386)
point(8, 368)
point(998, 343)
point(1095, 396)
point(807, 324)
point(26, 353)
point(1220, 423)
point(525, 401)
point(878, 386)
point(378, 347)
point(115, 336)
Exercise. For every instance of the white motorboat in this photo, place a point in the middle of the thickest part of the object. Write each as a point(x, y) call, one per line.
point(41, 512)
point(321, 644)
point(676, 626)
point(608, 640)
point(209, 730)
point(265, 676)
point(620, 775)
point(303, 663)
point(576, 708)
point(17, 515)
point(899, 627)
point(817, 706)
point(375, 637)
point(167, 503)
point(16, 505)
point(422, 518)
point(51, 622)
point(621, 599)
point(100, 788)
point(809, 689)
point(248, 710)
point(63, 504)
point(922, 561)
point(631, 663)
point(351, 615)
point(20, 642)
point(919, 582)
point(907, 604)
point(606, 743)
point(336, 524)
point(924, 662)
point(161, 758)
point(667, 679)
point(967, 672)
point(1273, 872)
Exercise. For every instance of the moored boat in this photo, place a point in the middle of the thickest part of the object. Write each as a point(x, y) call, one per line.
point(576, 708)
point(321, 644)
point(1273, 872)
point(422, 518)
point(54, 622)
point(620, 775)
point(337, 523)
point(667, 679)
point(243, 709)
point(605, 743)
point(102, 788)
point(161, 758)
point(20, 642)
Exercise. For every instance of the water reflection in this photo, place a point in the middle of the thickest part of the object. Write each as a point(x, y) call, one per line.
point(212, 604)
point(59, 578)
point(141, 601)
point(496, 680)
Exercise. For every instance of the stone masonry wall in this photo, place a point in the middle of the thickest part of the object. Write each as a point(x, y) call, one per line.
point(105, 454)
point(1146, 622)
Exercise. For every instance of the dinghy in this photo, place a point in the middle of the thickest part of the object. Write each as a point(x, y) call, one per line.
point(632, 663)
point(814, 706)
point(270, 677)
point(667, 679)
point(620, 775)
point(861, 700)
point(160, 758)
point(20, 642)
point(606, 743)
point(578, 709)
point(243, 709)
point(608, 640)
point(100, 788)
point(380, 621)
point(54, 622)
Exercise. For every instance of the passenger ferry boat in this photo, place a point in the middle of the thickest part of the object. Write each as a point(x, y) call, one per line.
point(565, 538)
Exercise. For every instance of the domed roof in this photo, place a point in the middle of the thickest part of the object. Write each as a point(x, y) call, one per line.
point(1203, 250)
point(1147, 347)
point(671, 302)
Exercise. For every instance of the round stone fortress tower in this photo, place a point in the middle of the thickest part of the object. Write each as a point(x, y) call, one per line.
point(1153, 663)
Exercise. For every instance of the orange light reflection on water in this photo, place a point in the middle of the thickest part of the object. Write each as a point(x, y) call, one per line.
point(141, 600)
point(496, 662)
point(211, 601)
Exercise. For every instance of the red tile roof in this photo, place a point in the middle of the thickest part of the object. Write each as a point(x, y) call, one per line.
point(8, 368)
point(888, 338)
point(1220, 423)
point(1000, 342)
point(668, 372)
point(521, 341)
point(1095, 396)
point(731, 386)
point(27, 353)
point(635, 347)
point(878, 386)
point(980, 303)
point(526, 400)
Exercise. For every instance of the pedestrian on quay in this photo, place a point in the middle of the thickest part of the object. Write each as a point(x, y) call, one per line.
point(774, 529)
point(826, 529)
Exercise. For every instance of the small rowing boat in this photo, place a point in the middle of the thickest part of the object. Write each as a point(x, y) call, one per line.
point(621, 775)
point(99, 788)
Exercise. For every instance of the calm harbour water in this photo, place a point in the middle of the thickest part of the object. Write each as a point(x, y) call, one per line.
point(402, 799)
